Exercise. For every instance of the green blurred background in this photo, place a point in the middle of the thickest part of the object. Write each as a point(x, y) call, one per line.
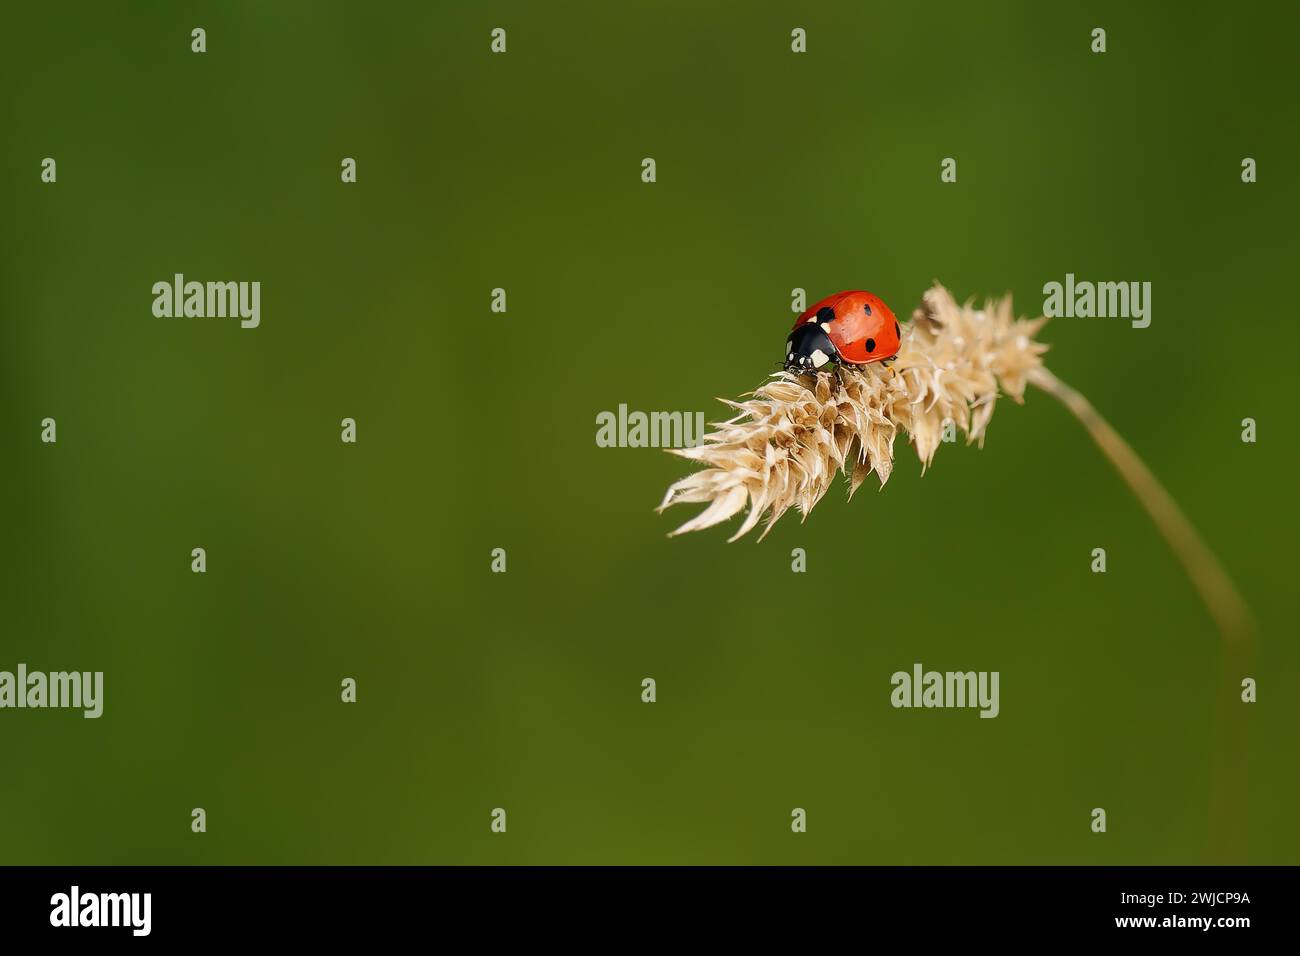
point(522, 690)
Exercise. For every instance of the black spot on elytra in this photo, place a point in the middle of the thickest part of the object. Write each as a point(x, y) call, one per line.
point(866, 308)
point(826, 314)
point(871, 345)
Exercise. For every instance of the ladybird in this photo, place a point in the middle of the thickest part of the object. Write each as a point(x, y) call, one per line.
point(848, 328)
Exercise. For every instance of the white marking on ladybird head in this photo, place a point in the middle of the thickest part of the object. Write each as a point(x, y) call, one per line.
point(812, 318)
point(826, 326)
point(819, 358)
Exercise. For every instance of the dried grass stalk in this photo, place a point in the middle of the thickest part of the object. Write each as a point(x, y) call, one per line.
point(787, 443)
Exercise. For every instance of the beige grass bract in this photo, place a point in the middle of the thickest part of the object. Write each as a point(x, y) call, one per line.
point(787, 443)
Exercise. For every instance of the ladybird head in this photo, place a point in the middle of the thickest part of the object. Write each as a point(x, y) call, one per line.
point(809, 348)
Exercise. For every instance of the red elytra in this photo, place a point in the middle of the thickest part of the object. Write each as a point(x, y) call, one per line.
point(858, 323)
